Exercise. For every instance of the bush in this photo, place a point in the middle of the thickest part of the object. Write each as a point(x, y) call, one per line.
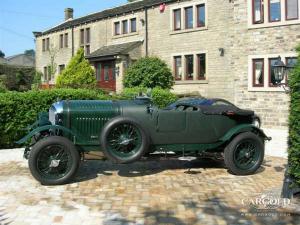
point(18, 110)
point(294, 122)
point(2, 87)
point(160, 97)
point(149, 72)
point(78, 73)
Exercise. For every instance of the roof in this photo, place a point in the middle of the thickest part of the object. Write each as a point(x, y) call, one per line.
point(127, 8)
point(113, 50)
point(3, 61)
point(21, 60)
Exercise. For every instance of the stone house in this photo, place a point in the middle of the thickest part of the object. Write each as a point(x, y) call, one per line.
point(219, 48)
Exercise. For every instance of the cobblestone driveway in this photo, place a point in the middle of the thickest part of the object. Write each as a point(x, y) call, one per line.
point(149, 192)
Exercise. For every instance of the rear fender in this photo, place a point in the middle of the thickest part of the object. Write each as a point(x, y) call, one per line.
point(48, 128)
point(244, 128)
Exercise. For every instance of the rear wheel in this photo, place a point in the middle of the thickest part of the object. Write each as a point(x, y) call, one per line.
point(123, 140)
point(53, 160)
point(244, 154)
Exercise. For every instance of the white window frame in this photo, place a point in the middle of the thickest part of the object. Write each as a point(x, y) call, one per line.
point(266, 22)
point(182, 6)
point(183, 61)
point(266, 58)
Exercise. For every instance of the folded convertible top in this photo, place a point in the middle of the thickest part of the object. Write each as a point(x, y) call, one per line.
point(225, 110)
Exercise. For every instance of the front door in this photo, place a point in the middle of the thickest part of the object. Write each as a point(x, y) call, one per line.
point(105, 74)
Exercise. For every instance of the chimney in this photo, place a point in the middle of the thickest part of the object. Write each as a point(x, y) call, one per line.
point(68, 13)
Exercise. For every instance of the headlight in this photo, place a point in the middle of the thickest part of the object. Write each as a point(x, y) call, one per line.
point(55, 113)
point(256, 122)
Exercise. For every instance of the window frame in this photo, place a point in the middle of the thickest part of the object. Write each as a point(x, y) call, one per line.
point(199, 66)
point(186, 17)
point(81, 40)
point(44, 45)
point(174, 19)
point(286, 11)
point(66, 39)
point(270, 71)
point(262, 14)
point(61, 41)
point(186, 66)
point(125, 27)
point(87, 35)
point(131, 20)
point(175, 67)
point(198, 14)
point(253, 72)
point(47, 44)
point(269, 12)
point(115, 28)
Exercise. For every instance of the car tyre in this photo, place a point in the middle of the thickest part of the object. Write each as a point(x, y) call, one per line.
point(123, 140)
point(54, 160)
point(244, 154)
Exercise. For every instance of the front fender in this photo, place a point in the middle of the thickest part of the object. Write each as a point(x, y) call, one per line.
point(46, 128)
point(244, 128)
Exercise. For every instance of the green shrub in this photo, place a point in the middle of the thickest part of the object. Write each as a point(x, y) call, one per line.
point(3, 88)
point(160, 97)
point(149, 72)
point(78, 73)
point(18, 110)
point(294, 122)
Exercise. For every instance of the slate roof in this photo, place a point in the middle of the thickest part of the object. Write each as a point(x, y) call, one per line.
point(21, 60)
point(113, 50)
point(127, 8)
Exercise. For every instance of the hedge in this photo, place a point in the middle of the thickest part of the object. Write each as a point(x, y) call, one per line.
point(294, 122)
point(18, 110)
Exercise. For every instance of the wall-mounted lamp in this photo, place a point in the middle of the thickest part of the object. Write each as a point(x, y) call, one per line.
point(222, 51)
point(117, 71)
point(142, 21)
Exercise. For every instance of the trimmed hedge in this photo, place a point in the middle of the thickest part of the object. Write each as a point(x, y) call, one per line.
point(294, 122)
point(18, 110)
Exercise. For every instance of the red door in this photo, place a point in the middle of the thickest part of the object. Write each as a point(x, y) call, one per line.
point(105, 74)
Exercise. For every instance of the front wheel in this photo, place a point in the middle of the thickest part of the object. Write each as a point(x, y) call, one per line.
point(53, 160)
point(244, 154)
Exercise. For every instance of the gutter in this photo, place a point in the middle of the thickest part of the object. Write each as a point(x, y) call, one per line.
point(72, 40)
point(146, 32)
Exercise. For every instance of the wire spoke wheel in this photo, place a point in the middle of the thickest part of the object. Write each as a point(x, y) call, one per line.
point(124, 140)
point(246, 154)
point(54, 162)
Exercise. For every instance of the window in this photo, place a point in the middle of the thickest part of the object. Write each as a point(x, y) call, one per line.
point(82, 36)
point(87, 49)
point(106, 73)
point(258, 11)
point(44, 45)
point(87, 35)
point(271, 72)
point(189, 62)
point(178, 67)
point(291, 61)
point(61, 68)
point(189, 23)
point(98, 71)
point(274, 10)
point(66, 40)
point(133, 25)
point(117, 28)
point(125, 26)
point(258, 73)
point(292, 9)
point(45, 73)
point(201, 66)
point(47, 44)
point(61, 41)
point(177, 19)
point(201, 15)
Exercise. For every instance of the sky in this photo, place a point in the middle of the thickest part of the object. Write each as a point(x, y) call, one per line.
point(19, 18)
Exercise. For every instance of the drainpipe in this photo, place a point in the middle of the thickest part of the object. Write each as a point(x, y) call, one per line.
point(146, 31)
point(72, 41)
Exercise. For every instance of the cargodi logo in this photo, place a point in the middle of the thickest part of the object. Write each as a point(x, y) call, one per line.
point(266, 201)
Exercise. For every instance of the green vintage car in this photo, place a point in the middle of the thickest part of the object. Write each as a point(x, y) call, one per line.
point(127, 130)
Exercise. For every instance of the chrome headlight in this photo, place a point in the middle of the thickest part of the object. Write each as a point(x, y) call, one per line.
point(55, 113)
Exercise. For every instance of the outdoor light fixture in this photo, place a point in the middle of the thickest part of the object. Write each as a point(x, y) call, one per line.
point(281, 72)
point(142, 21)
point(117, 71)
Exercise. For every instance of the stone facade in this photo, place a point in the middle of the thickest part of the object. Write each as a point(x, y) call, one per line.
point(228, 29)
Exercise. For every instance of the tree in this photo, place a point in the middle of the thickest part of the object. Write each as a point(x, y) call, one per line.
point(78, 73)
point(29, 52)
point(294, 122)
point(52, 64)
point(2, 55)
point(149, 72)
